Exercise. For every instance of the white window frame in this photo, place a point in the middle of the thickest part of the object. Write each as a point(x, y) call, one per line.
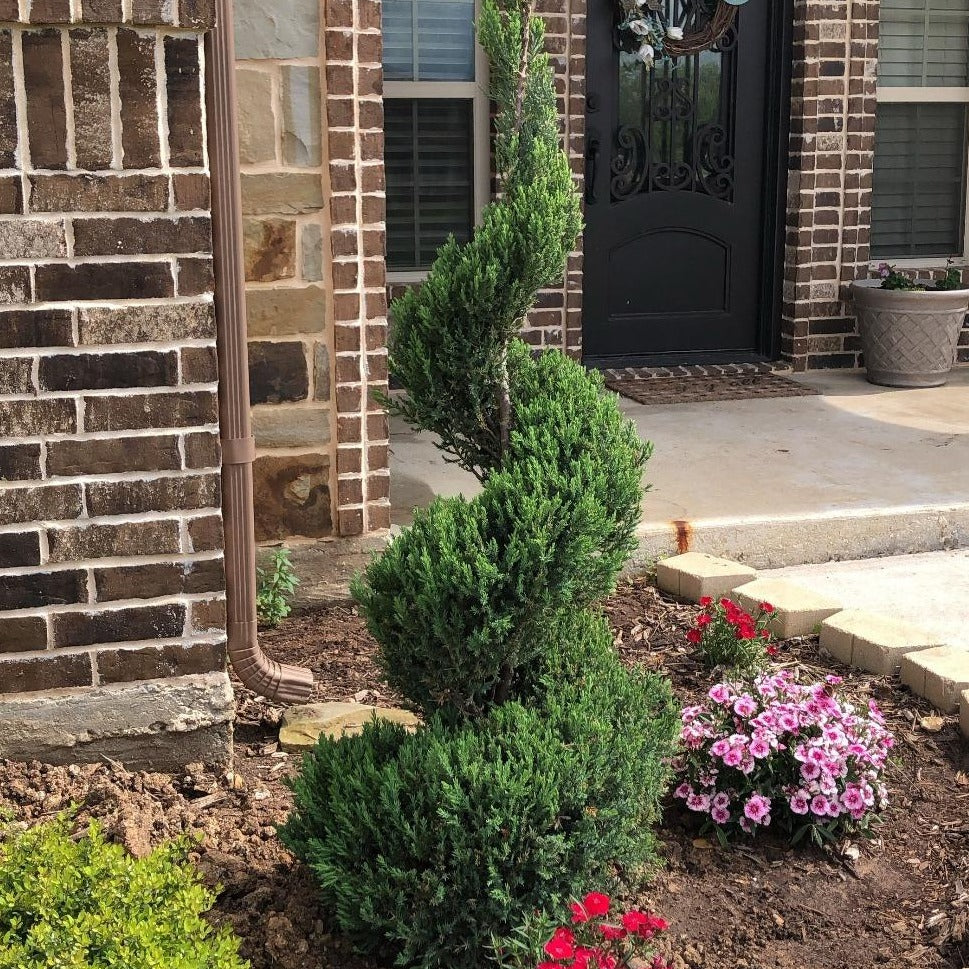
point(476, 92)
point(890, 94)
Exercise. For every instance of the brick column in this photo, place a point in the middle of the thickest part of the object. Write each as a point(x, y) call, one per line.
point(111, 578)
point(556, 320)
point(354, 108)
point(829, 188)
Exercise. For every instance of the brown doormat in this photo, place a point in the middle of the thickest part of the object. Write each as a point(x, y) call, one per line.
point(690, 390)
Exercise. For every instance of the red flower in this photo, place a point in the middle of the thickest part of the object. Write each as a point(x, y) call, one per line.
point(644, 924)
point(694, 636)
point(561, 945)
point(549, 965)
point(772, 650)
point(612, 932)
point(595, 903)
point(579, 914)
point(582, 957)
point(706, 601)
point(606, 961)
point(657, 962)
point(704, 619)
point(728, 604)
point(767, 607)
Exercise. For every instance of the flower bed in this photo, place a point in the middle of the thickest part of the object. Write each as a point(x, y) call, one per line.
point(898, 899)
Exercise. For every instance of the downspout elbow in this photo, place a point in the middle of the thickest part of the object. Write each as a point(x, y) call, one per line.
point(277, 681)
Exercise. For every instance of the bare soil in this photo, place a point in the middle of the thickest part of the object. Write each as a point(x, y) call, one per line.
point(899, 899)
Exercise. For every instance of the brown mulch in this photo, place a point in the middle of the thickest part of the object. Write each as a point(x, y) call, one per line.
point(898, 900)
point(694, 389)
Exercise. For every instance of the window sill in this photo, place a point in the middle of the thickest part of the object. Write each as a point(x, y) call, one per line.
point(406, 278)
point(922, 262)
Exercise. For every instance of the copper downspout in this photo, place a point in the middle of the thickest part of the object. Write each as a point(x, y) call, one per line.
point(286, 684)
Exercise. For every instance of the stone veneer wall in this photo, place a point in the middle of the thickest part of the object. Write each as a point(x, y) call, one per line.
point(111, 576)
point(311, 149)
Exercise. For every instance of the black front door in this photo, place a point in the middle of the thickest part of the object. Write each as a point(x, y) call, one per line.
point(682, 189)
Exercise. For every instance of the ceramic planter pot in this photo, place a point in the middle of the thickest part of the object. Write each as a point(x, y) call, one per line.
point(909, 337)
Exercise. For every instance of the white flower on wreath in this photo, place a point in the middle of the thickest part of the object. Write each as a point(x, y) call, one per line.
point(640, 27)
point(646, 54)
point(674, 33)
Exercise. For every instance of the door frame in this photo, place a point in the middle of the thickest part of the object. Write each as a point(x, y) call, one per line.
point(777, 128)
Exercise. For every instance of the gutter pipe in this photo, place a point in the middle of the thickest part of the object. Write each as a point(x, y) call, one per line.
point(277, 681)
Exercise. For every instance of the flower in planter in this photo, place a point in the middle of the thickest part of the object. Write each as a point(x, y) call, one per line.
point(594, 940)
point(774, 751)
point(730, 637)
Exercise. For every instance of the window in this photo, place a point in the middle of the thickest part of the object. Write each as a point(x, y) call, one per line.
point(919, 185)
point(435, 129)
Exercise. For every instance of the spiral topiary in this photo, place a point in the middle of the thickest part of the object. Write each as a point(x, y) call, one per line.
point(542, 760)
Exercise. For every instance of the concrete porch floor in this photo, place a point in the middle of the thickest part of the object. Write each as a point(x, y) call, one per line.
point(856, 472)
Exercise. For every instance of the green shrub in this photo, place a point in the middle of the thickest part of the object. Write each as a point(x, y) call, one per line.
point(274, 589)
point(427, 845)
point(449, 341)
point(542, 760)
point(87, 904)
point(459, 601)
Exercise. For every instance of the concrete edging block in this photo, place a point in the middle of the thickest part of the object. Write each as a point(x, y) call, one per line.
point(799, 611)
point(872, 642)
point(939, 675)
point(694, 575)
point(964, 714)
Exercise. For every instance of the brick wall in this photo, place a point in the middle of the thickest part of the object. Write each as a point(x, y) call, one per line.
point(110, 531)
point(830, 175)
point(311, 148)
point(556, 320)
point(354, 111)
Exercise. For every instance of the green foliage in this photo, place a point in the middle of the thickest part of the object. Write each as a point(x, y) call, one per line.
point(951, 279)
point(459, 601)
point(540, 765)
point(275, 588)
point(449, 340)
point(428, 845)
point(87, 904)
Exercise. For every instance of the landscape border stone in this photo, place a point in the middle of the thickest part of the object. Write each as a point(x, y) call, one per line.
point(693, 575)
point(872, 642)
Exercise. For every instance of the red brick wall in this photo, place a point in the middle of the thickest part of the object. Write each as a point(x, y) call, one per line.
point(830, 175)
point(354, 106)
point(110, 529)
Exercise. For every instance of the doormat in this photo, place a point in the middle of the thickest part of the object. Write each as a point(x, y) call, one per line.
point(694, 389)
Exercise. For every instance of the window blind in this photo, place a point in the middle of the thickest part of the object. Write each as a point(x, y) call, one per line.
point(919, 180)
point(428, 158)
point(923, 43)
point(428, 40)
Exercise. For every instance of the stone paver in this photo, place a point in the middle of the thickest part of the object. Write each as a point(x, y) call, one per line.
point(302, 726)
point(871, 641)
point(938, 674)
point(695, 574)
point(799, 611)
point(930, 590)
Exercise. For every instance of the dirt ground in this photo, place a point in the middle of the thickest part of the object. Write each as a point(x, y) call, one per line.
point(899, 899)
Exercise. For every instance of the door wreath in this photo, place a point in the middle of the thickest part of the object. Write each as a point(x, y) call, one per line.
point(647, 32)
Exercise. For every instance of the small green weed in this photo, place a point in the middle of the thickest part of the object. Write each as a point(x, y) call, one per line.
point(276, 585)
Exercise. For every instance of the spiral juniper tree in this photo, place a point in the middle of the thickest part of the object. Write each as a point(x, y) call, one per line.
point(539, 768)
